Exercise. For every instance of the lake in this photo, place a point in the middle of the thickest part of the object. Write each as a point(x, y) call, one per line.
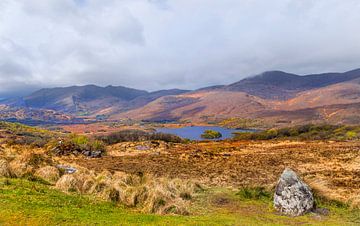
point(194, 132)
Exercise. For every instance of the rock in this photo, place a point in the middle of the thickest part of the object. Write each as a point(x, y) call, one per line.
point(322, 211)
point(95, 154)
point(66, 169)
point(292, 196)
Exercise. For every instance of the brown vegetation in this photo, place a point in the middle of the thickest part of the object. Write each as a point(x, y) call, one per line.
point(333, 165)
point(4, 168)
point(49, 174)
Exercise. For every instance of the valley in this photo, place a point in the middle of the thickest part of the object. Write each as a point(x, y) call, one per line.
point(133, 177)
point(289, 100)
point(140, 156)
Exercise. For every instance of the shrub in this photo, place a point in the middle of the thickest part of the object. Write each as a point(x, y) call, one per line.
point(305, 132)
point(137, 135)
point(211, 134)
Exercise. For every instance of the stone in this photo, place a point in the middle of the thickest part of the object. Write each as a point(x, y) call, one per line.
point(95, 154)
point(66, 169)
point(292, 196)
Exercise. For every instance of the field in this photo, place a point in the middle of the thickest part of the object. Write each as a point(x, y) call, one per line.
point(154, 182)
point(32, 203)
point(332, 167)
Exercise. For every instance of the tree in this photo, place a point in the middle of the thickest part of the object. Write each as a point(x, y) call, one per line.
point(211, 134)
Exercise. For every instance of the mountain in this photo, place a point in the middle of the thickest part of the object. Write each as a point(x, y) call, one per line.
point(275, 97)
point(281, 85)
point(32, 116)
point(88, 99)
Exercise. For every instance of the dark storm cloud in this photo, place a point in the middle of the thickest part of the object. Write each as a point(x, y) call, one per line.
point(157, 44)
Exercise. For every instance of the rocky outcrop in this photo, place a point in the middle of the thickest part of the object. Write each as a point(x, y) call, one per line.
point(292, 196)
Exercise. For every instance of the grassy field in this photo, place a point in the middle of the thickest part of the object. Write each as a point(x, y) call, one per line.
point(32, 203)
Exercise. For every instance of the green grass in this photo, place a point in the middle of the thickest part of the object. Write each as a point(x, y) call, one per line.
point(24, 202)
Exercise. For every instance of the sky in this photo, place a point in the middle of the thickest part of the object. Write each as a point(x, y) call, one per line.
point(162, 44)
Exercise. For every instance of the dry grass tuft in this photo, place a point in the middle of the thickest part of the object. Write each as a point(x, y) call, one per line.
point(27, 163)
point(4, 168)
point(19, 168)
point(355, 202)
point(144, 192)
point(49, 174)
point(68, 183)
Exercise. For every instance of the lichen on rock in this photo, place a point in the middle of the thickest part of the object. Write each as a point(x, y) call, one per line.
point(292, 196)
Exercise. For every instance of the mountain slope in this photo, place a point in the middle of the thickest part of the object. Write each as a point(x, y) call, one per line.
point(88, 99)
point(274, 96)
point(80, 98)
point(198, 105)
point(281, 85)
point(280, 97)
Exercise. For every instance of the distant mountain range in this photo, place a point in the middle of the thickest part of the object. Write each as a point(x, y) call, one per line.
point(275, 97)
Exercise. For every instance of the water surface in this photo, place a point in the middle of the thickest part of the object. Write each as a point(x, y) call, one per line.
point(194, 132)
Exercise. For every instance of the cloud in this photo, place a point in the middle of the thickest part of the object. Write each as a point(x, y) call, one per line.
point(157, 44)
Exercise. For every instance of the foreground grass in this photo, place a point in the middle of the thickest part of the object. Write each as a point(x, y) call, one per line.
point(31, 203)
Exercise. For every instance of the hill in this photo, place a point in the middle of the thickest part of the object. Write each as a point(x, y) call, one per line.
point(281, 85)
point(88, 99)
point(275, 97)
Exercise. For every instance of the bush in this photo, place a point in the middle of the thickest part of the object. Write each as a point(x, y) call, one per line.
point(137, 135)
point(305, 132)
point(211, 134)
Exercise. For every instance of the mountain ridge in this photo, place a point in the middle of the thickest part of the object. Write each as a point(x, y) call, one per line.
point(254, 96)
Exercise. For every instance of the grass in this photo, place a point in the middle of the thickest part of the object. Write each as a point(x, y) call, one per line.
point(32, 203)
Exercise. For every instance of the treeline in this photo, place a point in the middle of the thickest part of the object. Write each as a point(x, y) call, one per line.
point(305, 132)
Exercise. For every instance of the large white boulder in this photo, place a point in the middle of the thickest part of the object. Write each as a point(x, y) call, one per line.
point(292, 196)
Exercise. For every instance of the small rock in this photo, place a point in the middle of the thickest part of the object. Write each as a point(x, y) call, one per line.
point(95, 154)
point(292, 196)
point(142, 148)
point(67, 169)
point(322, 211)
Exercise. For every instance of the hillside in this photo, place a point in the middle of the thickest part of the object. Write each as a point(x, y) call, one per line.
point(281, 85)
point(275, 97)
point(285, 99)
point(88, 99)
